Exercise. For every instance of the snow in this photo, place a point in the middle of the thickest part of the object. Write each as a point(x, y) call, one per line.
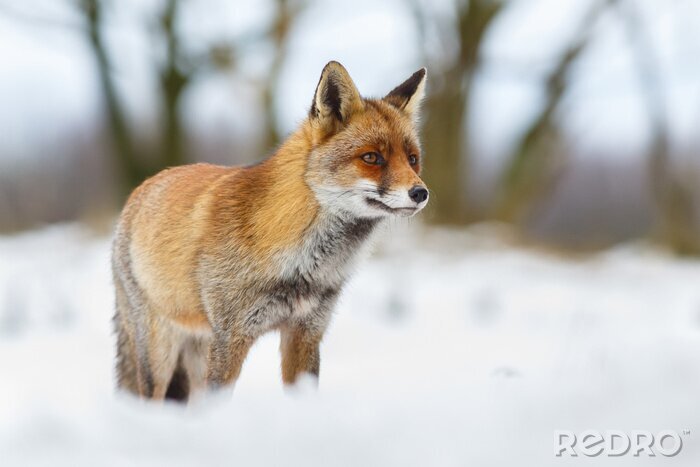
point(448, 348)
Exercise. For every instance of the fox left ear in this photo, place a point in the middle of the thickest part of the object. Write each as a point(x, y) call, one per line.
point(408, 95)
point(336, 99)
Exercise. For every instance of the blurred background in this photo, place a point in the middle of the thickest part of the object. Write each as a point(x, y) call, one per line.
point(572, 121)
point(551, 284)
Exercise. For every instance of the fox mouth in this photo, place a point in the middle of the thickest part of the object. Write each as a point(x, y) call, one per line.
point(385, 207)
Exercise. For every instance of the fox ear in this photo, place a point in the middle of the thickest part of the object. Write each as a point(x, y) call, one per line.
point(336, 98)
point(408, 95)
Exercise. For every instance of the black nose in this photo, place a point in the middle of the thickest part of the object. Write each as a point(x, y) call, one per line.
point(418, 194)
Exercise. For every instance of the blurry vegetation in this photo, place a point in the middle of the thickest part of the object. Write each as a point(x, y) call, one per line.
point(530, 175)
point(673, 194)
point(177, 70)
point(532, 170)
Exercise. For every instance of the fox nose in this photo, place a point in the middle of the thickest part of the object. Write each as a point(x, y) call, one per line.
point(418, 194)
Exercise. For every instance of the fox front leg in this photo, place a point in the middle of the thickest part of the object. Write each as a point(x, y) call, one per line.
point(226, 356)
point(229, 344)
point(299, 347)
point(300, 340)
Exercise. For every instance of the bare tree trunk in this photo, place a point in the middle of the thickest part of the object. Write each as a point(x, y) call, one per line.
point(125, 155)
point(445, 138)
point(674, 199)
point(446, 133)
point(173, 81)
point(286, 13)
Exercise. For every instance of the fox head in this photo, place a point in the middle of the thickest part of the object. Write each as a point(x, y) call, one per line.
point(366, 156)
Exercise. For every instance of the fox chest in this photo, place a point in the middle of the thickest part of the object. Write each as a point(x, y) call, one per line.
point(289, 300)
point(310, 278)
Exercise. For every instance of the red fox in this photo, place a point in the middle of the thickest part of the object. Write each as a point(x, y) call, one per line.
point(207, 258)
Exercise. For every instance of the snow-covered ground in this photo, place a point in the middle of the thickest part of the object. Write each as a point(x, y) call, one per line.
point(447, 349)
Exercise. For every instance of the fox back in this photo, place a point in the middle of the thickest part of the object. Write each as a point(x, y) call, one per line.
point(208, 258)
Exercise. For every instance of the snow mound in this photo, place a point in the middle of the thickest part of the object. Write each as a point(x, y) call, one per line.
point(444, 351)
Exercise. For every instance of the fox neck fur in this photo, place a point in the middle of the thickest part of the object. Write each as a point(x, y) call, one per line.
point(284, 225)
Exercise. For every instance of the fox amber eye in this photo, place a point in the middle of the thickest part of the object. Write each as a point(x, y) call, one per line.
point(413, 159)
point(372, 158)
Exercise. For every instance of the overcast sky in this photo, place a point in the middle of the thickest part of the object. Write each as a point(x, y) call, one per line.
point(48, 84)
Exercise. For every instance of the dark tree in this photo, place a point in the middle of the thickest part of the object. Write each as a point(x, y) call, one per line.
point(446, 132)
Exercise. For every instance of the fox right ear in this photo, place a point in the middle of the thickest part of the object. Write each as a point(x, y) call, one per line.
point(336, 99)
point(408, 95)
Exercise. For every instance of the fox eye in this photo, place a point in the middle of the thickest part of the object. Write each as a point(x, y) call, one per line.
point(413, 159)
point(372, 158)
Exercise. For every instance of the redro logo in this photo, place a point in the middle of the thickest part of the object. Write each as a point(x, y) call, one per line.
point(613, 443)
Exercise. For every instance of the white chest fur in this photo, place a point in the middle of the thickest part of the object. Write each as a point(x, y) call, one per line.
point(313, 273)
